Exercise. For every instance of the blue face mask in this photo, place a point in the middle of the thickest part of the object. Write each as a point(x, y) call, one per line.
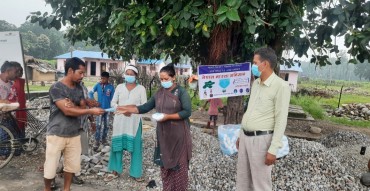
point(130, 79)
point(255, 70)
point(167, 84)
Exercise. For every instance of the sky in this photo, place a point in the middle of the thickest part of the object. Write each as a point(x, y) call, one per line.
point(16, 11)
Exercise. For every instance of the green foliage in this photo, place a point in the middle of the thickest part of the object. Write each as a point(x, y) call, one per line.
point(309, 105)
point(148, 29)
point(44, 43)
point(344, 71)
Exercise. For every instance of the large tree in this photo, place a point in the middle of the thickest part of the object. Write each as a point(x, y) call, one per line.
point(362, 70)
point(5, 26)
point(214, 32)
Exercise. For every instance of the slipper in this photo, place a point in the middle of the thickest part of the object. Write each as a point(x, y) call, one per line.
point(138, 179)
point(110, 177)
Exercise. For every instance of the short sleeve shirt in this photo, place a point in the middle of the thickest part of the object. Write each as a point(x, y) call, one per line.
point(214, 104)
point(60, 124)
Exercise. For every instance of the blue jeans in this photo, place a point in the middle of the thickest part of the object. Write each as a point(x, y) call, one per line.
point(9, 122)
point(102, 126)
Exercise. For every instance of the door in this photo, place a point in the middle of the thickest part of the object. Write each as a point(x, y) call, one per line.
point(103, 67)
point(93, 69)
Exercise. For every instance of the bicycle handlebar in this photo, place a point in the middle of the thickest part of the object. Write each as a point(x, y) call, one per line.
point(28, 109)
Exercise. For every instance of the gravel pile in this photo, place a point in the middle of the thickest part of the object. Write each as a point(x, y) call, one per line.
point(344, 138)
point(332, 163)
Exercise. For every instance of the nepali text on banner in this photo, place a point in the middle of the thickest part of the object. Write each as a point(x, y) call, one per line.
point(227, 80)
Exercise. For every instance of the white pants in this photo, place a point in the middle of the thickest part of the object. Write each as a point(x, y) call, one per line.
point(252, 172)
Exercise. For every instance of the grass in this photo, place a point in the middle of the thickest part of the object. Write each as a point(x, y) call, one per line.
point(314, 105)
point(310, 105)
point(346, 99)
point(335, 85)
point(348, 122)
point(33, 88)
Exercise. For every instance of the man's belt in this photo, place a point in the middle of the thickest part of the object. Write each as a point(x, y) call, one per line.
point(257, 133)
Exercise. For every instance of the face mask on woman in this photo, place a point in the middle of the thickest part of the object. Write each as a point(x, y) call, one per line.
point(167, 84)
point(130, 79)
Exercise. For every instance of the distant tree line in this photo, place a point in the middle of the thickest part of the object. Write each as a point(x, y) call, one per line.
point(44, 43)
point(344, 71)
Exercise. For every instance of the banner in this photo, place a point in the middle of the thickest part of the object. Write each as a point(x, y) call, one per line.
point(11, 48)
point(228, 80)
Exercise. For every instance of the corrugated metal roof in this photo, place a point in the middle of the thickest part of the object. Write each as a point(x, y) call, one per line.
point(183, 65)
point(83, 54)
point(150, 61)
point(295, 67)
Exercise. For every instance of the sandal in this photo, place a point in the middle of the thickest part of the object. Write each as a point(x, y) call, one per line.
point(77, 180)
point(138, 179)
point(110, 177)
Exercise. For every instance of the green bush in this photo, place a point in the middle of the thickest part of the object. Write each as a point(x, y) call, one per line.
point(309, 105)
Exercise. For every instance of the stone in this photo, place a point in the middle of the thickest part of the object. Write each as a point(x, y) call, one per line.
point(315, 130)
point(364, 110)
point(365, 179)
point(98, 167)
point(95, 160)
point(105, 149)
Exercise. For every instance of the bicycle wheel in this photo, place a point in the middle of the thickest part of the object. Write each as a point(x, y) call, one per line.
point(6, 148)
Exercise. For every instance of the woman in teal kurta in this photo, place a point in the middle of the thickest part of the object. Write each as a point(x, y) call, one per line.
point(127, 130)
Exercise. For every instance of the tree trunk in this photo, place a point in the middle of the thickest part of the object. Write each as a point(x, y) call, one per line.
point(234, 111)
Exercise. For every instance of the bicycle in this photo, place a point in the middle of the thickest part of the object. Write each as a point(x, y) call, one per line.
point(9, 145)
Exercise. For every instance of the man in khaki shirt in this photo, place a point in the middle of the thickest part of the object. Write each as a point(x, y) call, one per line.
point(263, 124)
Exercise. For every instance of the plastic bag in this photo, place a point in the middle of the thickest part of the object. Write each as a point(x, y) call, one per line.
point(283, 151)
point(227, 136)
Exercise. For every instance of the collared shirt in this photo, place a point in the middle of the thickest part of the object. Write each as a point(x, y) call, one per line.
point(268, 109)
point(105, 94)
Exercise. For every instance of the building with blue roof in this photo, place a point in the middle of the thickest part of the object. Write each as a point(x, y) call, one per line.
point(153, 66)
point(96, 62)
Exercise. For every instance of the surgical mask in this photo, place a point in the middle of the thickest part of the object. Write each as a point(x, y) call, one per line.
point(129, 79)
point(255, 70)
point(167, 84)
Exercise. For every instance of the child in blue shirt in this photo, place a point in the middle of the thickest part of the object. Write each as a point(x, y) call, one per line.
point(105, 92)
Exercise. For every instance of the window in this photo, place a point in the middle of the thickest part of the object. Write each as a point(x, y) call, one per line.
point(113, 66)
point(152, 68)
point(103, 67)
